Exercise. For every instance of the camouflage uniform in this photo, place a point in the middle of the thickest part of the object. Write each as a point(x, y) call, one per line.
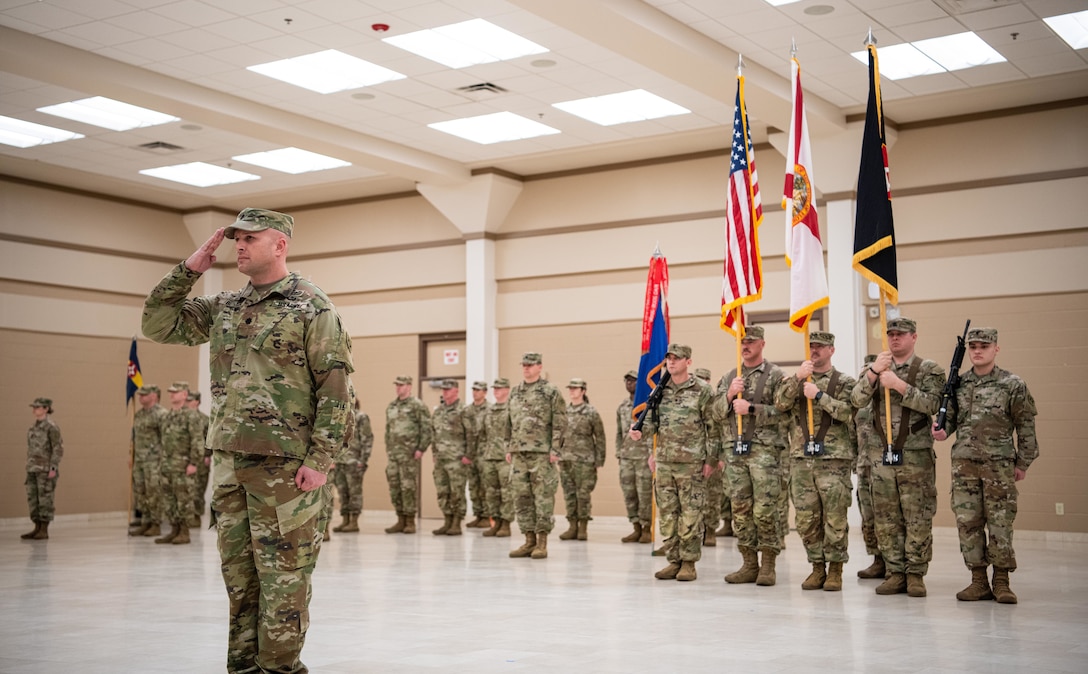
point(475, 414)
point(203, 466)
point(582, 454)
point(905, 497)
point(869, 451)
point(351, 464)
point(454, 438)
point(820, 485)
point(44, 450)
point(147, 463)
point(494, 442)
point(988, 410)
point(280, 367)
point(636, 480)
point(407, 431)
point(182, 446)
point(538, 422)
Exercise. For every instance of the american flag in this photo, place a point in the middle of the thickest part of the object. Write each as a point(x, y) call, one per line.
point(742, 281)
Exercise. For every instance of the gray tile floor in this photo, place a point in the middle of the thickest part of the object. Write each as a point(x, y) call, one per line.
point(91, 600)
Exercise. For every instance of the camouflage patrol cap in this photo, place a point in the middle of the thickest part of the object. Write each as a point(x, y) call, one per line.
point(752, 333)
point(501, 382)
point(145, 390)
point(178, 386)
point(821, 338)
point(679, 350)
point(702, 373)
point(987, 335)
point(402, 379)
point(532, 358)
point(479, 386)
point(449, 383)
point(258, 220)
point(47, 403)
point(902, 324)
point(194, 395)
point(631, 374)
point(577, 383)
point(155, 390)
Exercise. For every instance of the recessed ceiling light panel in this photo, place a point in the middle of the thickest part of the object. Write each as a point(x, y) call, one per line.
point(494, 128)
point(200, 174)
point(464, 44)
point(19, 133)
point(959, 51)
point(292, 160)
point(1072, 27)
point(108, 113)
point(627, 106)
point(327, 72)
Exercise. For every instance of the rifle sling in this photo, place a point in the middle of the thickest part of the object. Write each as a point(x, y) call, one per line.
point(757, 399)
point(827, 419)
point(905, 429)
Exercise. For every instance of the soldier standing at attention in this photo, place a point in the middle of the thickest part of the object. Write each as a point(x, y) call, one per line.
point(687, 452)
point(869, 451)
point(182, 450)
point(904, 496)
point(475, 413)
point(280, 367)
point(454, 438)
point(715, 485)
point(753, 460)
point(636, 478)
point(44, 450)
point(582, 455)
point(822, 460)
point(203, 468)
point(350, 468)
point(991, 405)
point(147, 463)
point(407, 435)
point(538, 423)
point(494, 443)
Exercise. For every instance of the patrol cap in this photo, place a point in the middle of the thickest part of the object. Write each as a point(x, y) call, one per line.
point(987, 335)
point(479, 386)
point(577, 383)
point(145, 390)
point(821, 338)
point(679, 350)
point(501, 382)
point(178, 386)
point(47, 403)
point(532, 358)
point(702, 373)
point(752, 333)
point(155, 390)
point(631, 374)
point(449, 383)
point(258, 220)
point(402, 379)
point(902, 324)
point(194, 395)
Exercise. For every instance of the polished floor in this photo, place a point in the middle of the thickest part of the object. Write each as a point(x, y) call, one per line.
point(91, 600)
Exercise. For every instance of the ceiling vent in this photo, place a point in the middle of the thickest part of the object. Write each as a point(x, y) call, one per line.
point(481, 91)
point(160, 147)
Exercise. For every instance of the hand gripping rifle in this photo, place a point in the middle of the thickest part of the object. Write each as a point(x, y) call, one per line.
point(953, 382)
point(653, 401)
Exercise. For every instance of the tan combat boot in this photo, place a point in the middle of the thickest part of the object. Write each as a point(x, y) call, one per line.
point(455, 527)
point(726, 530)
point(326, 534)
point(748, 571)
point(441, 531)
point(916, 587)
point(398, 527)
point(834, 577)
point(43, 534)
point(767, 576)
point(1002, 592)
point(343, 523)
point(352, 525)
point(153, 530)
point(708, 537)
point(687, 571)
point(477, 523)
point(504, 529)
point(669, 572)
point(494, 528)
point(31, 534)
point(541, 549)
point(979, 589)
point(816, 579)
point(193, 521)
point(895, 583)
point(572, 530)
point(527, 548)
point(409, 524)
point(140, 530)
point(647, 534)
point(874, 570)
point(635, 534)
point(183, 535)
point(583, 530)
point(169, 538)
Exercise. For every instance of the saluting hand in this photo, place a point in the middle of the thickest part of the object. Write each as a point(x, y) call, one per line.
point(204, 257)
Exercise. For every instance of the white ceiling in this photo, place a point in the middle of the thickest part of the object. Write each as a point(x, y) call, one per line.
point(189, 57)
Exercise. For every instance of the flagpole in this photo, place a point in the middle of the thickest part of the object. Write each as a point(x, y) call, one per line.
point(808, 356)
point(740, 362)
point(884, 347)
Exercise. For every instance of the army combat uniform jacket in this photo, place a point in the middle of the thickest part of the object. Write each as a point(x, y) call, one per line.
point(986, 413)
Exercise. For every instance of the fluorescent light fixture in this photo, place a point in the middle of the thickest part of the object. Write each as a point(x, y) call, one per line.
point(628, 106)
point(901, 61)
point(199, 174)
point(494, 128)
point(1072, 27)
point(292, 160)
point(959, 51)
point(776, 3)
point(468, 43)
point(108, 113)
point(18, 133)
point(327, 72)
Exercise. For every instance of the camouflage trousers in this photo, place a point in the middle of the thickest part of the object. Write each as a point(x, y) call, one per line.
point(402, 473)
point(637, 485)
point(821, 497)
point(40, 489)
point(784, 461)
point(177, 494)
point(534, 480)
point(269, 537)
point(904, 503)
point(984, 499)
point(865, 506)
point(755, 492)
point(498, 493)
point(578, 480)
point(200, 484)
point(680, 489)
point(348, 480)
point(147, 489)
point(726, 502)
point(450, 476)
point(715, 488)
point(476, 488)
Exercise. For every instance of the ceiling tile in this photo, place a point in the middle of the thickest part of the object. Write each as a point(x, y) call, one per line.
point(192, 12)
point(912, 12)
point(47, 15)
point(999, 16)
point(147, 24)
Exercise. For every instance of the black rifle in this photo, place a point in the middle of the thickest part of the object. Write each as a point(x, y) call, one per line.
point(953, 382)
point(653, 401)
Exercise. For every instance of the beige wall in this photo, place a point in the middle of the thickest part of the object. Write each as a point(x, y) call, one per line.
point(987, 222)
